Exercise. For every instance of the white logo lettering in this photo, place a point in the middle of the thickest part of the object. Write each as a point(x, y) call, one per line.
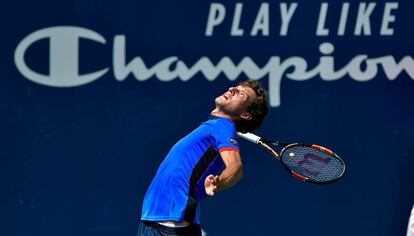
point(63, 56)
point(64, 59)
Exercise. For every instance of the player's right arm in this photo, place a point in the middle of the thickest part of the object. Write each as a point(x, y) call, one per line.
point(232, 173)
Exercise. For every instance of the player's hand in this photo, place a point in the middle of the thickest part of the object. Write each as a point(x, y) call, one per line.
point(211, 184)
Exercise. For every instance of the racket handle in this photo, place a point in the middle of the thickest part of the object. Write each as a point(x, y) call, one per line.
point(249, 136)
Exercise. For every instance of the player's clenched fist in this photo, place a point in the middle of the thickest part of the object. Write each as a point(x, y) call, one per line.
point(211, 184)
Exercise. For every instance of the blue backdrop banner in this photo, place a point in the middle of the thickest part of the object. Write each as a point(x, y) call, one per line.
point(93, 94)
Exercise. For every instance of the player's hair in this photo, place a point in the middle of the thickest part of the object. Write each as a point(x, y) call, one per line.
point(258, 109)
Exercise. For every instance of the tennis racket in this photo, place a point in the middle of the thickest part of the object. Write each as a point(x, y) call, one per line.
point(309, 163)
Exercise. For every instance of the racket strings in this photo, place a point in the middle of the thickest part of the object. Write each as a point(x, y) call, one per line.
point(313, 164)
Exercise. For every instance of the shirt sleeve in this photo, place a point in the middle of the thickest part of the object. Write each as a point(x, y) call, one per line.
point(224, 136)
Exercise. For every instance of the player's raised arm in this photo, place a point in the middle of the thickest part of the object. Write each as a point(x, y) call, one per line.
point(232, 173)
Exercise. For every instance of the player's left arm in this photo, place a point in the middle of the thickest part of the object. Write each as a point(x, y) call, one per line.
point(232, 173)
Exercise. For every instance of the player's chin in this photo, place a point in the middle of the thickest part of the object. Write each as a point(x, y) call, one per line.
point(221, 100)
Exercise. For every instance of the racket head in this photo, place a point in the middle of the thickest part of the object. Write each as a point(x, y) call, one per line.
point(312, 163)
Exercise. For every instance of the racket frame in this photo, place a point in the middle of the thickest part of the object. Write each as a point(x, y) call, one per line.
point(286, 146)
point(267, 145)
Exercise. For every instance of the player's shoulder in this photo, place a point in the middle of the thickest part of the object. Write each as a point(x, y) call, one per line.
point(222, 126)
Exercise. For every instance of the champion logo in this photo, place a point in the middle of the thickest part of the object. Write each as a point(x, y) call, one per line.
point(64, 64)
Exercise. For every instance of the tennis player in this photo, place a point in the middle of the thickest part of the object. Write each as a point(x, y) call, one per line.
point(201, 164)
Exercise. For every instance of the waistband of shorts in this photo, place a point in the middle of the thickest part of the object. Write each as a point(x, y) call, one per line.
point(174, 224)
point(167, 229)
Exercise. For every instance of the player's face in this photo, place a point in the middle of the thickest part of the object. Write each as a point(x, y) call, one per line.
point(236, 100)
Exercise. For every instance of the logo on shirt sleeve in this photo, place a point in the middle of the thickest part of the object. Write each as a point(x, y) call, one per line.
point(233, 141)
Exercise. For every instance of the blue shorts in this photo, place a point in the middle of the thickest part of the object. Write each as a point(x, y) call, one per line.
point(150, 228)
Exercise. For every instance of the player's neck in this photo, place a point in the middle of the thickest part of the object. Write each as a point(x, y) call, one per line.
point(219, 113)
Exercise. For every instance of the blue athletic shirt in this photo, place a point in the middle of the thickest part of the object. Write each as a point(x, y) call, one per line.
point(178, 187)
